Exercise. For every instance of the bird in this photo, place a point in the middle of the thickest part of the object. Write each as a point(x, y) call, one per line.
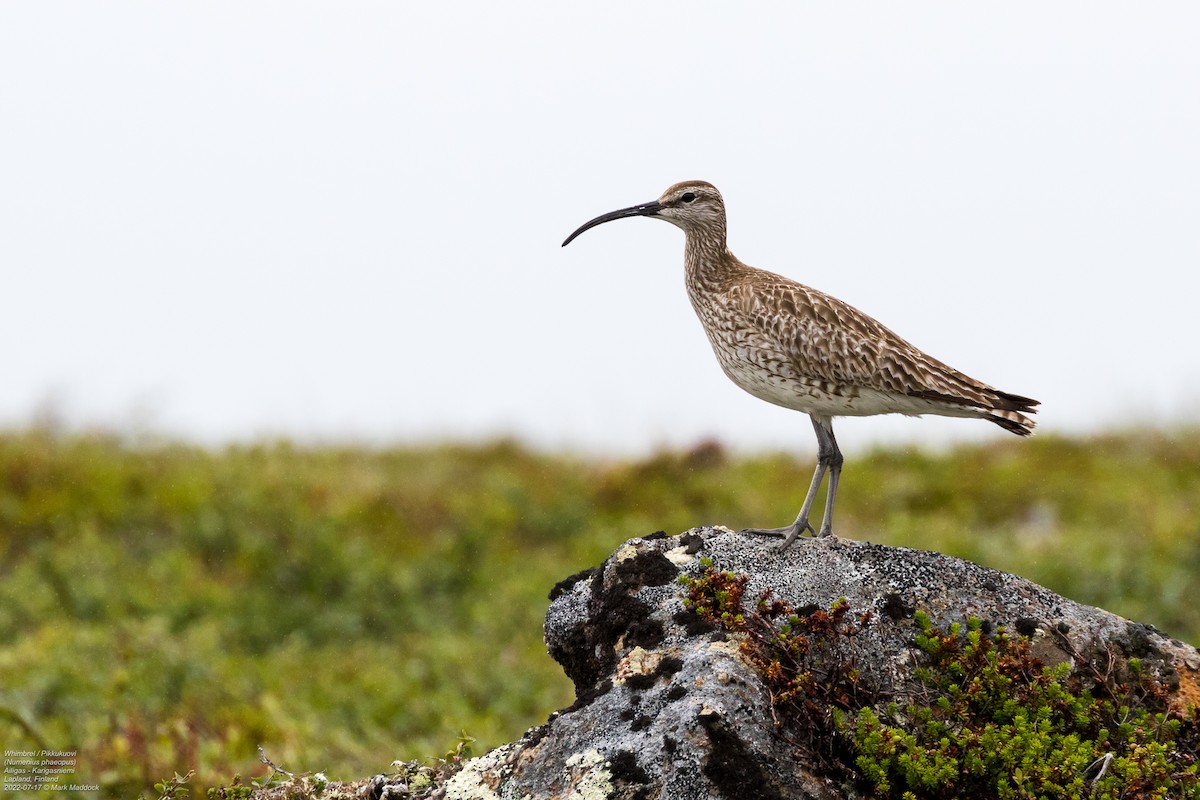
point(802, 349)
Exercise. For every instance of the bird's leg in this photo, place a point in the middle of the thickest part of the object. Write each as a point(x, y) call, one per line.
point(828, 453)
point(828, 457)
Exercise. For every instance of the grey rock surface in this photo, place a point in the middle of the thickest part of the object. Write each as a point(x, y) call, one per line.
point(668, 708)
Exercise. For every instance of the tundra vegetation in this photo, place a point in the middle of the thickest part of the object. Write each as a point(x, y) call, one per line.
point(167, 608)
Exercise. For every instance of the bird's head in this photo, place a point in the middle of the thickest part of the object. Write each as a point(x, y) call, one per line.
point(694, 206)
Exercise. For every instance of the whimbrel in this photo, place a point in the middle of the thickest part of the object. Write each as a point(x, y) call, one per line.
point(793, 346)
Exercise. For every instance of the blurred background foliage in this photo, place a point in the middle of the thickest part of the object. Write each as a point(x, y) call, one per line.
point(165, 607)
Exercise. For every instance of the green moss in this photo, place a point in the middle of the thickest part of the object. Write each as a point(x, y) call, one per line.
point(982, 718)
point(987, 719)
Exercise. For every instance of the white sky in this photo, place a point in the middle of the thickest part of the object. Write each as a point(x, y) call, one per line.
point(226, 220)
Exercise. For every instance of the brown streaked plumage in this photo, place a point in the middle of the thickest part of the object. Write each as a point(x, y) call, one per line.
point(793, 346)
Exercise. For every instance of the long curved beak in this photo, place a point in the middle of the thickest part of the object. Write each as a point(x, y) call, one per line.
point(644, 210)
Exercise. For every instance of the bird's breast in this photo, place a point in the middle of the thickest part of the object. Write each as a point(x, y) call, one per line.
point(764, 363)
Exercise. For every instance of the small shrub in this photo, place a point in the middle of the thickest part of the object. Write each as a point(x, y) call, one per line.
point(806, 657)
point(982, 717)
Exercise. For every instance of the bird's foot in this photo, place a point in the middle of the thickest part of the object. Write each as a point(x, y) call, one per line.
point(789, 533)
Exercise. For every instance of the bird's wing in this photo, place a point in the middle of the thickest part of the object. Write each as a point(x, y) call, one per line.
point(826, 339)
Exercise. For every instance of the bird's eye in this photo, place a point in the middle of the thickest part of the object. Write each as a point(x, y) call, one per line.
point(688, 197)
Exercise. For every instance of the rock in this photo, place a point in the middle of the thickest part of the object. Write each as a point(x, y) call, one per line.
point(667, 705)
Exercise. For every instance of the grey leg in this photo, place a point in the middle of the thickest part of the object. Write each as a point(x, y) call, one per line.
point(829, 458)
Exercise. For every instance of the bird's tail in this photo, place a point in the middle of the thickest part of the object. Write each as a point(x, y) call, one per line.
point(1006, 411)
point(978, 399)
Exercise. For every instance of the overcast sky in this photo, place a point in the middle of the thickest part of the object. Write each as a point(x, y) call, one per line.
point(230, 220)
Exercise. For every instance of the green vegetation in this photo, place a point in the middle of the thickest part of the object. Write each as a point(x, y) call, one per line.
point(166, 608)
point(982, 716)
point(992, 720)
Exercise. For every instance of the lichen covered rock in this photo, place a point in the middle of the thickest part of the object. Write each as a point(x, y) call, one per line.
point(668, 706)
